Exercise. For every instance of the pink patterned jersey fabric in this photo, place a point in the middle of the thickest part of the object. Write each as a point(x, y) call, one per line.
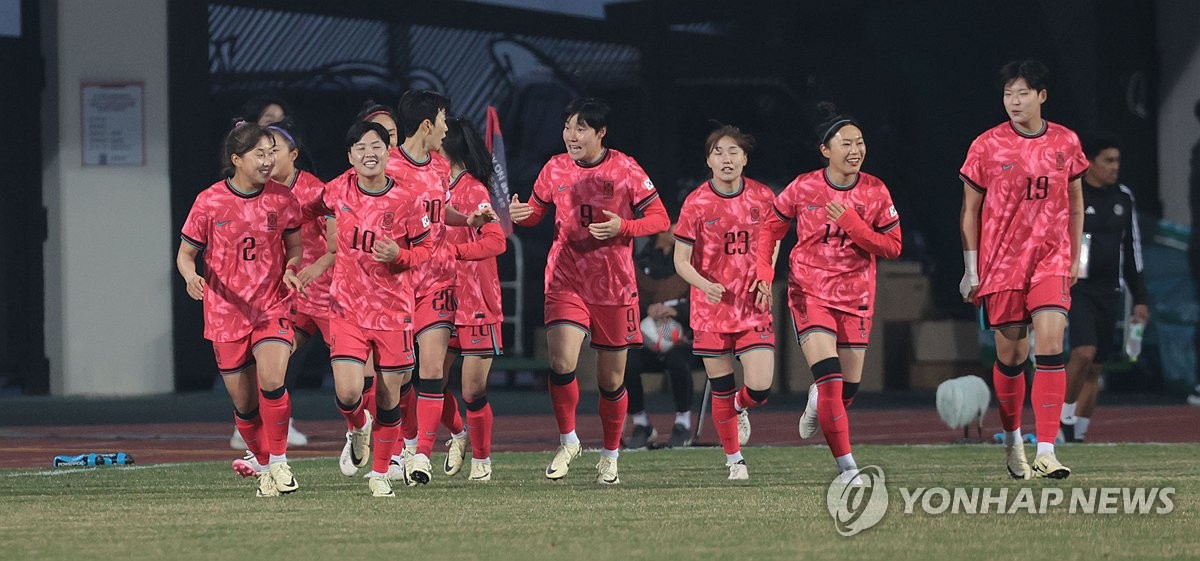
point(244, 255)
point(723, 232)
point(1025, 222)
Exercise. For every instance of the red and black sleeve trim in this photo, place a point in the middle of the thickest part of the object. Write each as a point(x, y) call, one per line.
point(192, 242)
point(973, 185)
point(641, 205)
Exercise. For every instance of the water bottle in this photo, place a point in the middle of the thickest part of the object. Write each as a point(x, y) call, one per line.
point(93, 459)
point(1133, 340)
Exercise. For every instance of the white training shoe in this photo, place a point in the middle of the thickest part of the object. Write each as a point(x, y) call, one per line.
point(606, 471)
point(738, 471)
point(295, 437)
point(236, 441)
point(561, 463)
point(808, 420)
point(480, 471)
point(743, 420)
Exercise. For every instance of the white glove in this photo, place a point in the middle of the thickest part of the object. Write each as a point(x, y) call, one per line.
point(970, 278)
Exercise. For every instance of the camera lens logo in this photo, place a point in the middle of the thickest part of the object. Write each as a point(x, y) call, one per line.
point(859, 502)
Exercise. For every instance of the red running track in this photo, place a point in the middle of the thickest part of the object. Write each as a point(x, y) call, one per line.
point(183, 442)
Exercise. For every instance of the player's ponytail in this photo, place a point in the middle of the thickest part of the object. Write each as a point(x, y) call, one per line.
point(829, 122)
point(464, 146)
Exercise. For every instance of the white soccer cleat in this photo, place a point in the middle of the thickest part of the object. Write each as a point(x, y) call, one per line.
point(1047, 465)
point(418, 470)
point(395, 471)
point(808, 420)
point(743, 421)
point(295, 437)
point(456, 455)
point(606, 471)
point(380, 486)
point(850, 478)
point(1014, 459)
point(480, 471)
point(248, 466)
point(285, 482)
point(561, 463)
point(266, 485)
point(738, 471)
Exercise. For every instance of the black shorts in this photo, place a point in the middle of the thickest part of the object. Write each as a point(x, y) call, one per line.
point(1093, 320)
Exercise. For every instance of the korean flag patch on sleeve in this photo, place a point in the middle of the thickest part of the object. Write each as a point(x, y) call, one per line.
point(649, 185)
point(425, 221)
point(892, 211)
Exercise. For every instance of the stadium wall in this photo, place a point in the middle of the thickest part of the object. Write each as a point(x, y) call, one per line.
point(1178, 129)
point(108, 268)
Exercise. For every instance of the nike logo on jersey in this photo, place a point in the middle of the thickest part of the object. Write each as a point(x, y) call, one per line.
point(223, 223)
point(475, 341)
point(562, 188)
point(1006, 167)
point(442, 314)
point(629, 337)
point(711, 222)
point(814, 207)
point(345, 208)
point(763, 336)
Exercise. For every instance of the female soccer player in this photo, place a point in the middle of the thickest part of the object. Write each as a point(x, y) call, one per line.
point(1020, 251)
point(844, 221)
point(477, 319)
point(595, 192)
point(381, 235)
point(249, 229)
point(716, 241)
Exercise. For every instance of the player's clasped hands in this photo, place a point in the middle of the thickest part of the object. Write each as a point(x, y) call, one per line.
point(195, 287)
point(292, 280)
point(607, 229)
point(518, 210)
point(385, 250)
point(482, 216)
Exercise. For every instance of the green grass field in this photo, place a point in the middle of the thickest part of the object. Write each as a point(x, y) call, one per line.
point(671, 505)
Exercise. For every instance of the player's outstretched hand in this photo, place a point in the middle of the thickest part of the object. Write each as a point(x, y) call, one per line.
point(385, 250)
point(713, 292)
point(607, 229)
point(518, 210)
point(195, 287)
point(762, 297)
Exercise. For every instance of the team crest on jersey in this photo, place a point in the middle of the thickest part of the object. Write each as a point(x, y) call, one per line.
point(862, 209)
point(1060, 161)
point(607, 189)
point(755, 215)
point(1118, 210)
point(388, 220)
point(272, 221)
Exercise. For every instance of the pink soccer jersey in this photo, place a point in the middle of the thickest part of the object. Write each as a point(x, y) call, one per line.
point(244, 255)
point(477, 283)
point(599, 271)
point(429, 182)
point(723, 232)
point(1025, 222)
point(368, 293)
point(315, 301)
point(826, 263)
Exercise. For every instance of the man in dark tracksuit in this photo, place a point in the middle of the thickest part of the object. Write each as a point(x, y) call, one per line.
point(1110, 262)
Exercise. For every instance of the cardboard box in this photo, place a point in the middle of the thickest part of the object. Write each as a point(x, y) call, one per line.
point(947, 340)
